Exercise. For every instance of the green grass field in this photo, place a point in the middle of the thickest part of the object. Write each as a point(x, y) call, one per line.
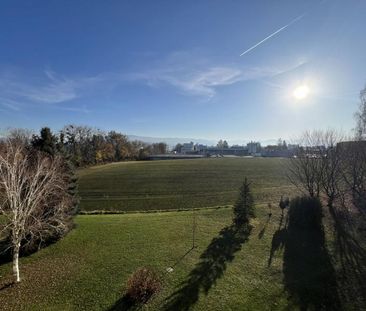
point(180, 184)
point(88, 269)
point(283, 264)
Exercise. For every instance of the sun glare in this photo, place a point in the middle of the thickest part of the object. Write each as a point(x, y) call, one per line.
point(301, 92)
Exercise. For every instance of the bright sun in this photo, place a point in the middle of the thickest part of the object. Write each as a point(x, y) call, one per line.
point(301, 92)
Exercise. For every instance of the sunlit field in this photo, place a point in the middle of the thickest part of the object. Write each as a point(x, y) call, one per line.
point(89, 268)
point(180, 184)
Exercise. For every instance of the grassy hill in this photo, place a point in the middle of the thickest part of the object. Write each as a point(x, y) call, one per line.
point(180, 184)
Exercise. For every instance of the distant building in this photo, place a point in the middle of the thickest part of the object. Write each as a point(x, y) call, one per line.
point(188, 148)
point(200, 148)
point(254, 148)
point(292, 147)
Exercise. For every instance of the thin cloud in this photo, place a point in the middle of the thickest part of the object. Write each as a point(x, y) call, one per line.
point(9, 104)
point(196, 82)
point(46, 91)
point(18, 91)
point(188, 75)
point(56, 92)
point(83, 109)
point(202, 82)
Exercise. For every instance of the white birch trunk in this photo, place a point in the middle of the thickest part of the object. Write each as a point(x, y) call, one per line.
point(16, 262)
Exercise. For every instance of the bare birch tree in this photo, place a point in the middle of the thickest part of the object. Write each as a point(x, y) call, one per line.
point(33, 198)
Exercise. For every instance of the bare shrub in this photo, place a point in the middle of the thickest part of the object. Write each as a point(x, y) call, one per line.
point(142, 284)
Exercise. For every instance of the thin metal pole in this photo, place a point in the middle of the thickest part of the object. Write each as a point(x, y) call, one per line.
point(194, 229)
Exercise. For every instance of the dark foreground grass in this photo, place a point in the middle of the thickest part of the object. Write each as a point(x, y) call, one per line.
point(276, 266)
point(180, 184)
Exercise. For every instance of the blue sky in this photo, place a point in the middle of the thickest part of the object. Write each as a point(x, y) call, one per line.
point(173, 68)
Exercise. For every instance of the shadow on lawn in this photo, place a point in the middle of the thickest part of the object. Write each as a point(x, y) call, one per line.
point(26, 249)
point(309, 276)
point(263, 230)
point(182, 257)
point(6, 284)
point(6, 254)
point(212, 265)
point(124, 304)
point(352, 255)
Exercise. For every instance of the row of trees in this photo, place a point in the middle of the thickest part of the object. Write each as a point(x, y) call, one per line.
point(38, 184)
point(86, 146)
point(327, 163)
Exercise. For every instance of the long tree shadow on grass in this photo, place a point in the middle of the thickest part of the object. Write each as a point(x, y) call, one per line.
point(124, 304)
point(6, 254)
point(263, 230)
point(212, 265)
point(352, 256)
point(27, 249)
point(309, 276)
point(279, 238)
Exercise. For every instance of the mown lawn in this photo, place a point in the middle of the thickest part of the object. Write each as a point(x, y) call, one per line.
point(279, 266)
point(180, 184)
point(88, 269)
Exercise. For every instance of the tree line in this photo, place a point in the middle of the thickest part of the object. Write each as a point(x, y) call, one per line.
point(328, 164)
point(38, 184)
point(86, 146)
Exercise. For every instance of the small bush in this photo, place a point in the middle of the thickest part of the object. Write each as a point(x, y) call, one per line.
point(142, 284)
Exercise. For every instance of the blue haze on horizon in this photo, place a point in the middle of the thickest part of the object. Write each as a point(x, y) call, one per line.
point(173, 68)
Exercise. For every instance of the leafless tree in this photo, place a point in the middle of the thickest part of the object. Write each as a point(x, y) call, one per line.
point(20, 135)
point(304, 170)
point(354, 168)
point(360, 115)
point(332, 165)
point(355, 157)
point(317, 164)
point(33, 198)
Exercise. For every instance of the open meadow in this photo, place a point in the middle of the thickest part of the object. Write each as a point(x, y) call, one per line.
point(180, 184)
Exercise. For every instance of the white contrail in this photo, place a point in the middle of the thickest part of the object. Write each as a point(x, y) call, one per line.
point(273, 34)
